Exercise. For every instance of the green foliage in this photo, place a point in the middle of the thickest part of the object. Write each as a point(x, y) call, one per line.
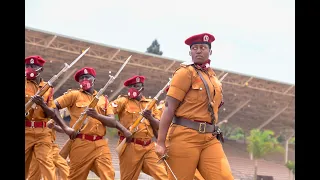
point(233, 133)
point(291, 166)
point(261, 143)
point(281, 138)
point(154, 48)
point(227, 130)
point(292, 140)
point(113, 132)
point(237, 134)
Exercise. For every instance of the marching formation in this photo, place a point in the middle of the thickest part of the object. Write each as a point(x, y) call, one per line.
point(175, 138)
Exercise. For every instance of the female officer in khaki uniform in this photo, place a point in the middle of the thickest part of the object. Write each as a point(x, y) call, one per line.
point(190, 141)
point(161, 107)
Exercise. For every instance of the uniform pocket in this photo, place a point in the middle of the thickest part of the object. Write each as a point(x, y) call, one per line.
point(129, 116)
point(197, 93)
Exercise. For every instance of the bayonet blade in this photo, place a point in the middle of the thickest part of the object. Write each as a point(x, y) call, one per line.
point(123, 65)
point(77, 59)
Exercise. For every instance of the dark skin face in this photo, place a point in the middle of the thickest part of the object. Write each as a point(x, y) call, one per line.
point(200, 53)
point(88, 77)
point(36, 68)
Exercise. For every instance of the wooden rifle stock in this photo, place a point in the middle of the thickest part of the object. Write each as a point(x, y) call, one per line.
point(122, 145)
point(65, 150)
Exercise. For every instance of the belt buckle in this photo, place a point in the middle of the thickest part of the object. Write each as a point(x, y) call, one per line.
point(202, 130)
point(32, 124)
point(94, 137)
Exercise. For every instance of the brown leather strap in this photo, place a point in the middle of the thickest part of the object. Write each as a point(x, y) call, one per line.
point(201, 127)
point(210, 108)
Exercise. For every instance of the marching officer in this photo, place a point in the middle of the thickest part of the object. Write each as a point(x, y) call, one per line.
point(38, 138)
point(139, 154)
point(161, 107)
point(59, 162)
point(192, 104)
point(89, 150)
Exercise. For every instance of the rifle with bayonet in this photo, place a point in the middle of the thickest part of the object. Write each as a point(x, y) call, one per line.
point(49, 84)
point(122, 146)
point(65, 150)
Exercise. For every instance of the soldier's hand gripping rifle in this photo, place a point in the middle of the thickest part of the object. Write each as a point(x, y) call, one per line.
point(122, 146)
point(49, 84)
point(64, 152)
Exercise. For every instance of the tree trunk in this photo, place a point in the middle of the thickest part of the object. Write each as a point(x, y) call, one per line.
point(290, 174)
point(255, 169)
point(293, 176)
point(286, 151)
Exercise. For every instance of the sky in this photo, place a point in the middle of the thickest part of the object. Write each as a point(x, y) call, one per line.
point(253, 37)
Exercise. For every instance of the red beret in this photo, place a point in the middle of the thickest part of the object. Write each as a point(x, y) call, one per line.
point(205, 38)
point(134, 80)
point(37, 60)
point(85, 70)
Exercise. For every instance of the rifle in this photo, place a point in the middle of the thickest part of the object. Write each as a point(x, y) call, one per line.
point(49, 84)
point(122, 146)
point(65, 150)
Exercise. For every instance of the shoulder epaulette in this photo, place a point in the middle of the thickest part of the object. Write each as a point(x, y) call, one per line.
point(185, 64)
point(69, 90)
point(121, 95)
point(182, 65)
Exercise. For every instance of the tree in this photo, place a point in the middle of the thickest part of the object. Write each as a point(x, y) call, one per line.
point(154, 48)
point(232, 133)
point(292, 141)
point(261, 143)
point(237, 134)
point(281, 138)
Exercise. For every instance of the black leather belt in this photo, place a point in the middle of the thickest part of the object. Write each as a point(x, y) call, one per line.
point(201, 127)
